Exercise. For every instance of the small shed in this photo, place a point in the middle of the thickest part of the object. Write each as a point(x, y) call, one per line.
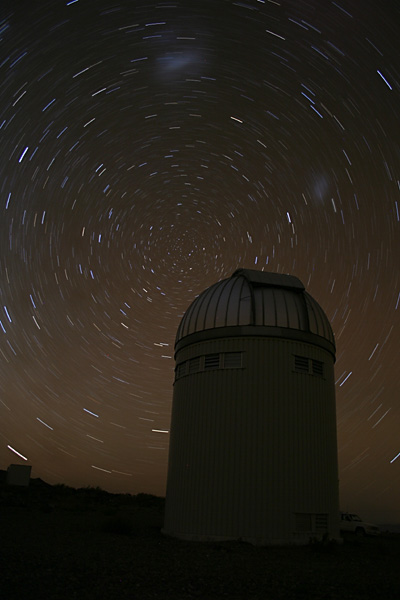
point(19, 475)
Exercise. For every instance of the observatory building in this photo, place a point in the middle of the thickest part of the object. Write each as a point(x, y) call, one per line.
point(253, 451)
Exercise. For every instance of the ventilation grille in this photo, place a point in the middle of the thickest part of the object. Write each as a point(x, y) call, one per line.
point(233, 360)
point(211, 361)
point(194, 365)
point(208, 362)
point(317, 368)
point(321, 522)
point(311, 522)
point(181, 369)
point(303, 364)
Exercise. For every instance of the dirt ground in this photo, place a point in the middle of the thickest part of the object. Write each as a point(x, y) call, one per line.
point(59, 543)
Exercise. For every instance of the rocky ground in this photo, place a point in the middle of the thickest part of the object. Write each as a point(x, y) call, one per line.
point(61, 543)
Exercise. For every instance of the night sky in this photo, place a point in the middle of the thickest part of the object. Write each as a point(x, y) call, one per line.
point(149, 149)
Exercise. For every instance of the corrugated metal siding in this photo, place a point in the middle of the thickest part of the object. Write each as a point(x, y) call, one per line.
point(251, 447)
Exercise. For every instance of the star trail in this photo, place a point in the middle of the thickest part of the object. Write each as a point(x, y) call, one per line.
point(148, 150)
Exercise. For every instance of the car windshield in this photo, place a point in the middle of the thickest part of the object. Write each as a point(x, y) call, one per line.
point(355, 518)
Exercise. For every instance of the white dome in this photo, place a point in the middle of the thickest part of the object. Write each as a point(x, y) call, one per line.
point(273, 304)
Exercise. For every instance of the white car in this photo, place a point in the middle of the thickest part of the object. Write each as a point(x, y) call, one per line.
point(352, 523)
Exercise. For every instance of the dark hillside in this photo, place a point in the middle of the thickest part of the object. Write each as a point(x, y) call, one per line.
point(61, 543)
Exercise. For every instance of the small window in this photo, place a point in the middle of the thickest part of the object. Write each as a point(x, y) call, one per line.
point(194, 365)
point(233, 360)
point(317, 367)
point(301, 364)
point(211, 361)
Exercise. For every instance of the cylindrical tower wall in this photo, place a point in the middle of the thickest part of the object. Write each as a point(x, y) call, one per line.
point(253, 451)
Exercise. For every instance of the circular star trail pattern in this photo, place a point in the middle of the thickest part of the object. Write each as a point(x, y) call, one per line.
point(149, 150)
